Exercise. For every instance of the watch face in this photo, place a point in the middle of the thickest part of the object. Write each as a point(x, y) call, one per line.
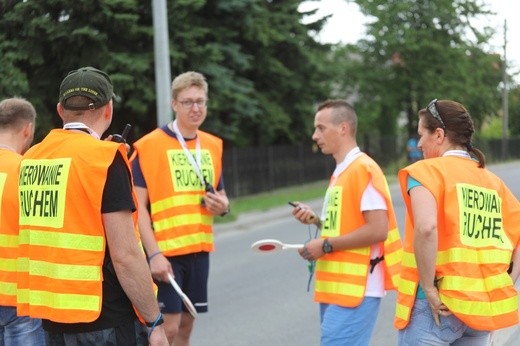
point(327, 248)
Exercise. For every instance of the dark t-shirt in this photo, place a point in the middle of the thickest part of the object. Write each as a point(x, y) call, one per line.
point(116, 307)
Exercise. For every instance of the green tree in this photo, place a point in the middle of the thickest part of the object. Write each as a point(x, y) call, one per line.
point(265, 70)
point(416, 51)
point(291, 73)
point(53, 37)
point(514, 111)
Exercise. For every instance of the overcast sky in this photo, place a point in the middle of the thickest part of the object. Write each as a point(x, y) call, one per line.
point(347, 24)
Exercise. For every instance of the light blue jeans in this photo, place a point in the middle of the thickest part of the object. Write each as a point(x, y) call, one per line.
point(342, 326)
point(19, 331)
point(421, 330)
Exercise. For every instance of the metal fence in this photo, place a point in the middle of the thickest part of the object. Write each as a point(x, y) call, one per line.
point(253, 170)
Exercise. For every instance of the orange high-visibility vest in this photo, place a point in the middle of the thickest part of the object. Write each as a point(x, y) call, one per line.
point(477, 224)
point(181, 224)
point(62, 238)
point(9, 163)
point(341, 276)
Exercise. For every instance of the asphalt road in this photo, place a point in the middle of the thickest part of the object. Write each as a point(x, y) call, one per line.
point(262, 299)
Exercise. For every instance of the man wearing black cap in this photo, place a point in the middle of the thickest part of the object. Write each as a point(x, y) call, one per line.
point(81, 268)
point(94, 87)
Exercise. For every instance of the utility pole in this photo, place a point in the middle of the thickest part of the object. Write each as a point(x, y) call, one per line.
point(162, 62)
point(505, 99)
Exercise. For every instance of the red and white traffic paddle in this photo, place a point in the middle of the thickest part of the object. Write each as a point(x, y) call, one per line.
point(273, 245)
point(184, 297)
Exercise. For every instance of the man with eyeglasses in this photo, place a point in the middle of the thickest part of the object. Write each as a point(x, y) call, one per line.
point(178, 178)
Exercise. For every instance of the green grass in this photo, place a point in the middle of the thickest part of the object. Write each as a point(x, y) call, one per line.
point(267, 200)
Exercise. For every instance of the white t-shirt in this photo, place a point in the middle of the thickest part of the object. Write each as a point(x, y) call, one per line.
point(373, 200)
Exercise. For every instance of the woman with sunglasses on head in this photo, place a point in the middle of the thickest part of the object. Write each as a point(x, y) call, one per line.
point(461, 238)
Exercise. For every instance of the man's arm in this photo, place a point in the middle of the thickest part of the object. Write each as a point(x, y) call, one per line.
point(375, 230)
point(131, 267)
point(159, 265)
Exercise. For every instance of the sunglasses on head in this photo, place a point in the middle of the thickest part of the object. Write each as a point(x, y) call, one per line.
point(432, 107)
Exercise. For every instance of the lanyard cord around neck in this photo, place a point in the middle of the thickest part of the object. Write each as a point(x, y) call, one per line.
point(81, 127)
point(4, 146)
point(195, 164)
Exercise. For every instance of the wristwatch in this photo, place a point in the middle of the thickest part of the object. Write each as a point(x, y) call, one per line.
point(326, 247)
point(226, 211)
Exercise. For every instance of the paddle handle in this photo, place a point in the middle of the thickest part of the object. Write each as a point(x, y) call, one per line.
point(176, 286)
point(292, 246)
point(183, 296)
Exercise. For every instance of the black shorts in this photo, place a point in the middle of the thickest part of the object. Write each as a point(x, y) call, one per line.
point(191, 273)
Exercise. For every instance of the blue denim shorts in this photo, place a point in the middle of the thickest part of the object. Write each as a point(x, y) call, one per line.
point(343, 326)
point(16, 330)
point(421, 330)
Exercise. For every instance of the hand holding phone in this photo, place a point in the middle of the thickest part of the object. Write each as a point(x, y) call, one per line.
point(312, 218)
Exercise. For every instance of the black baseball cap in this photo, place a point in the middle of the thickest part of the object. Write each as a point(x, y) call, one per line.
point(89, 82)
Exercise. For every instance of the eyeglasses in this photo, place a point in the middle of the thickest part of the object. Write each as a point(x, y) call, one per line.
point(433, 110)
point(187, 104)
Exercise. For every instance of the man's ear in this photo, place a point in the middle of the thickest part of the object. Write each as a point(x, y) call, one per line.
point(60, 110)
point(109, 109)
point(28, 130)
point(345, 127)
point(173, 104)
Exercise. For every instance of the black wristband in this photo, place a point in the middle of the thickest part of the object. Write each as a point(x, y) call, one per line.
point(158, 321)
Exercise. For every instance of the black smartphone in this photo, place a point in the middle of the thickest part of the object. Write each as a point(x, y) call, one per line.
point(312, 217)
point(208, 187)
point(121, 138)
